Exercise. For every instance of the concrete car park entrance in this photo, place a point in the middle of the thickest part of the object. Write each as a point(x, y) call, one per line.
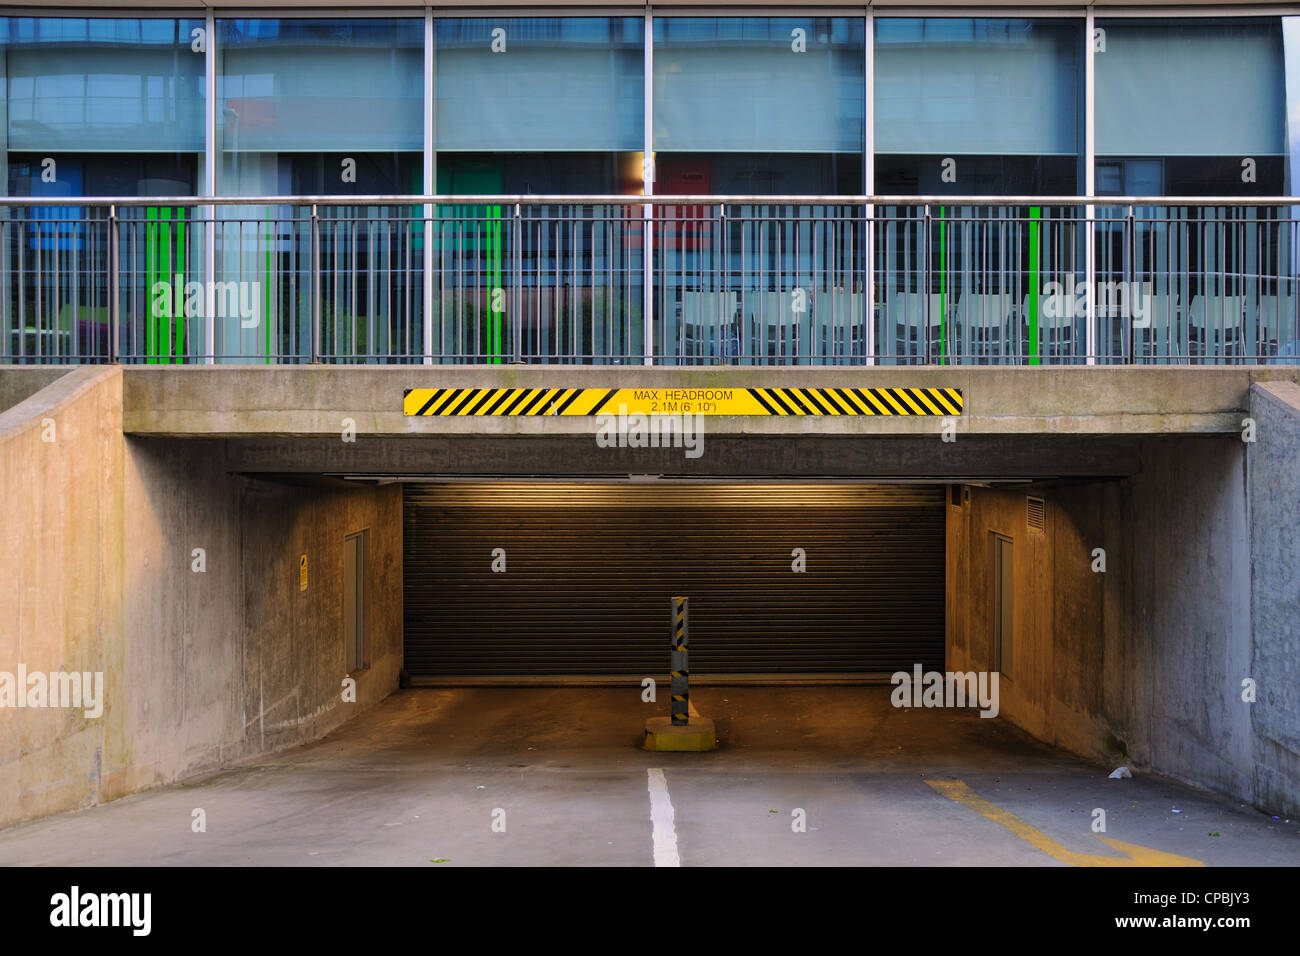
point(253, 557)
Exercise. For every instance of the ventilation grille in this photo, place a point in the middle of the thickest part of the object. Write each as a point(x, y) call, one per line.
point(1036, 514)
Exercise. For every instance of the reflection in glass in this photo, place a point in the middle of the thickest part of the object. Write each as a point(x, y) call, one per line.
point(100, 107)
point(978, 106)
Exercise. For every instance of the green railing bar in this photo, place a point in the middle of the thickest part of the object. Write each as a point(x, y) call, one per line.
point(165, 262)
point(266, 311)
point(151, 279)
point(180, 270)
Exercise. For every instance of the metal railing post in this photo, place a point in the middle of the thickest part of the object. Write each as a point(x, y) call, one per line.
point(719, 280)
point(647, 285)
point(1090, 281)
point(1129, 278)
point(114, 269)
point(314, 277)
point(924, 257)
point(210, 152)
point(516, 258)
point(680, 673)
point(869, 305)
point(647, 188)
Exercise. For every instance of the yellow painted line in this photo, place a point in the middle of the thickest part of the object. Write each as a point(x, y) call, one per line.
point(1135, 855)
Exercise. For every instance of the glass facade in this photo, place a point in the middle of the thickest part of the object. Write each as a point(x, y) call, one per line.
point(1191, 107)
point(1195, 107)
point(978, 106)
point(117, 104)
point(538, 106)
point(94, 107)
point(296, 97)
point(318, 105)
point(740, 105)
point(755, 105)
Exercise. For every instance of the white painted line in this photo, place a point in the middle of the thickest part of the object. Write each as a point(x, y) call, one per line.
point(661, 815)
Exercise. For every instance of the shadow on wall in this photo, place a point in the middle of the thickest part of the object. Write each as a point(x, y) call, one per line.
point(145, 562)
point(1130, 610)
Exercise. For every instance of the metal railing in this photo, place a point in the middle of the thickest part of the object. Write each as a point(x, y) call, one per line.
point(669, 280)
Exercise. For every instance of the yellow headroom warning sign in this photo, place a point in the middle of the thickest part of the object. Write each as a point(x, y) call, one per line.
point(471, 402)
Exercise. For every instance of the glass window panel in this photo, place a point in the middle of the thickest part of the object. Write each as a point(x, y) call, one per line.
point(304, 85)
point(557, 84)
point(737, 84)
point(1198, 88)
point(128, 85)
point(990, 87)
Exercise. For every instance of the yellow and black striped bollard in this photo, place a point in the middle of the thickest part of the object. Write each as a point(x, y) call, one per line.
point(681, 673)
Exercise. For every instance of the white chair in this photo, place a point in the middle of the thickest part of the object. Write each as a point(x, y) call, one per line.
point(1276, 326)
point(1214, 324)
point(935, 333)
point(1160, 327)
point(901, 327)
point(981, 326)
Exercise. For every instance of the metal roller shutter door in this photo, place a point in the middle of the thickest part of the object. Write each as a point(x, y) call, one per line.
point(590, 569)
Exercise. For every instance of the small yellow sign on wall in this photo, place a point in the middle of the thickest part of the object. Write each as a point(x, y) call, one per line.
point(302, 573)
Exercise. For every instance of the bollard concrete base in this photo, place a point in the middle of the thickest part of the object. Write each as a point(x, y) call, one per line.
point(699, 734)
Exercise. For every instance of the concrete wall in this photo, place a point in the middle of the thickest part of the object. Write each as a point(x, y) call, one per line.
point(61, 561)
point(1274, 469)
point(201, 668)
point(19, 383)
point(1141, 665)
point(312, 401)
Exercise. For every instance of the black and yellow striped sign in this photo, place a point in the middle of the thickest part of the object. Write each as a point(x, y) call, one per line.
point(471, 402)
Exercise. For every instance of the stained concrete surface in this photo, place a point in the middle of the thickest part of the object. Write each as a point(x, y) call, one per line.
point(99, 540)
point(419, 777)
